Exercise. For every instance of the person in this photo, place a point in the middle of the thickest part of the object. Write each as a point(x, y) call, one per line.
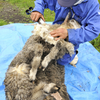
point(86, 12)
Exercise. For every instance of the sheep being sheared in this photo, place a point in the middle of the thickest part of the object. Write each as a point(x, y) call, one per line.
point(60, 46)
point(34, 53)
point(18, 84)
point(19, 87)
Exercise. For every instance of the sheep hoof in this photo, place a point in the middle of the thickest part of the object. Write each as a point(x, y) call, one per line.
point(74, 65)
point(43, 69)
point(54, 89)
point(44, 64)
point(32, 75)
point(51, 88)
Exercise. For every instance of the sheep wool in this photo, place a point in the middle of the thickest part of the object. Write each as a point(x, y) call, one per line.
point(34, 73)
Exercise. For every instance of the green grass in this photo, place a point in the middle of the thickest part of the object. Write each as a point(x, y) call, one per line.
point(3, 22)
point(25, 4)
point(96, 43)
point(49, 15)
point(22, 5)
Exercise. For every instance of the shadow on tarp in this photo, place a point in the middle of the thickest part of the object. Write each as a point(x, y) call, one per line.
point(82, 82)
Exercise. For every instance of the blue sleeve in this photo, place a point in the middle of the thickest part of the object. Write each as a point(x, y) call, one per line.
point(90, 28)
point(40, 5)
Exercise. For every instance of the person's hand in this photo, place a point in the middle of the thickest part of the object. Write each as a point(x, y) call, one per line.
point(60, 33)
point(36, 15)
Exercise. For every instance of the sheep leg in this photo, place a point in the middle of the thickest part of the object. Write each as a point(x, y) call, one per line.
point(35, 64)
point(36, 60)
point(53, 53)
point(70, 48)
point(37, 92)
point(42, 90)
point(50, 88)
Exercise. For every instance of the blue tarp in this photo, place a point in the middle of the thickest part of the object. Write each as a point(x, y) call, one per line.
point(82, 82)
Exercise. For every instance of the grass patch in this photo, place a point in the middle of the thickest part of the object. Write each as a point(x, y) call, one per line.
point(22, 5)
point(49, 15)
point(96, 43)
point(25, 4)
point(3, 22)
point(1, 4)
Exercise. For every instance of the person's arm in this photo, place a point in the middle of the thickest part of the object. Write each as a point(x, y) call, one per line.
point(40, 5)
point(90, 30)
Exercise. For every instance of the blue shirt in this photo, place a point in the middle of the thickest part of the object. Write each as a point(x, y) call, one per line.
point(86, 13)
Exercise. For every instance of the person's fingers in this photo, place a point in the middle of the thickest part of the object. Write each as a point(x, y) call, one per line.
point(55, 35)
point(37, 18)
point(36, 15)
point(42, 18)
point(53, 32)
point(60, 32)
point(33, 16)
point(58, 38)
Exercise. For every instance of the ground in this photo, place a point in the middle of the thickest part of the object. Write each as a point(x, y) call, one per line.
point(11, 13)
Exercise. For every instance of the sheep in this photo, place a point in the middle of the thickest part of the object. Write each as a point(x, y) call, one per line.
point(19, 86)
point(36, 51)
point(32, 54)
point(15, 80)
point(60, 45)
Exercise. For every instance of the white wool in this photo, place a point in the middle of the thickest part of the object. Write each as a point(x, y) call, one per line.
point(43, 30)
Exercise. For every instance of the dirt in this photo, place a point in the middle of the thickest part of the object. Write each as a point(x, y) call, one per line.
point(11, 13)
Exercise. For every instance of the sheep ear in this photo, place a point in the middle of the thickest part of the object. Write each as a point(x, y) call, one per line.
point(67, 18)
